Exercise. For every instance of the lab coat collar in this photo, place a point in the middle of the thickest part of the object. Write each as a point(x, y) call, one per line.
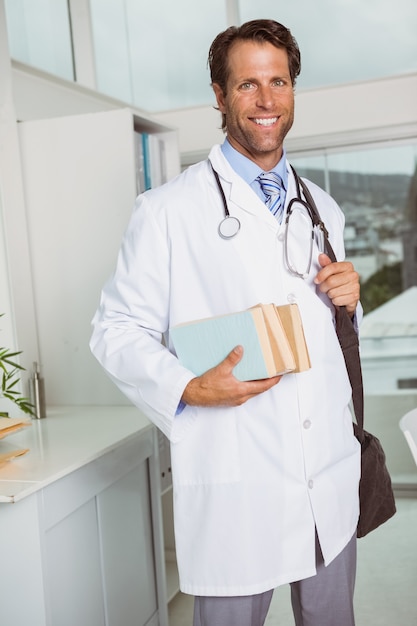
point(238, 192)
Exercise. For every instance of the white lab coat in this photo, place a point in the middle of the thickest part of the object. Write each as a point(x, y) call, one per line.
point(251, 483)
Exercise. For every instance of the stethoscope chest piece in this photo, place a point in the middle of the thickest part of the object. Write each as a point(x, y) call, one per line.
point(229, 227)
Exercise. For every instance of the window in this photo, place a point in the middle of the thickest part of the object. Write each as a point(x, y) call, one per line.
point(40, 35)
point(344, 41)
point(151, 55)
point(154, 55)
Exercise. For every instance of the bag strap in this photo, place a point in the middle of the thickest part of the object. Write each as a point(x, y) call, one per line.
point(348, 337)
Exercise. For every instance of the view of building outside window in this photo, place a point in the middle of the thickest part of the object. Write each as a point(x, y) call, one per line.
point(377, 191)
point(375, 188)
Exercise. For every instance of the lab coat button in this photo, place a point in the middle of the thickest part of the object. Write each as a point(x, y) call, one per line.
point(291, 298)
point(310, 484)
point(281, 237)
point(307, 424)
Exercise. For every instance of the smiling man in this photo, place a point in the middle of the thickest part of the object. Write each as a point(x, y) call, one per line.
point(265, 472)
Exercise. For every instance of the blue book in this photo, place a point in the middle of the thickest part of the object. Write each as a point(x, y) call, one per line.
point(146, 161)
point(203, 344)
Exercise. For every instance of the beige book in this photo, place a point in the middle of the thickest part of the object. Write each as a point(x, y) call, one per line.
point(291, 320)
point(278, 340)
point(276, 361)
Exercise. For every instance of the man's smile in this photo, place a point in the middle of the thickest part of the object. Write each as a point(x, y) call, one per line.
point(265, 121)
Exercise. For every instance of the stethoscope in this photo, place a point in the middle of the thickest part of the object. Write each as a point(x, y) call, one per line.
point(230, 225)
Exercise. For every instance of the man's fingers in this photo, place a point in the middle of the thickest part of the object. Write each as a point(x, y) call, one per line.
point(338, 273)
point(339, 281)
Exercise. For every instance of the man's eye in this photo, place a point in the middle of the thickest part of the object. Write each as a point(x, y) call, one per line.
point(279, 82)
point(246, 86)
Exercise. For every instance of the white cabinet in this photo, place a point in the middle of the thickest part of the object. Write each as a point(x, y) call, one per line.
point(125, 523)
point(100, 564)
point(86, 547)
point(80, 184)
point(74, 589)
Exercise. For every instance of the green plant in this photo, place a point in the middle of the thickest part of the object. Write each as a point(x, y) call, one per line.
point(10, 378)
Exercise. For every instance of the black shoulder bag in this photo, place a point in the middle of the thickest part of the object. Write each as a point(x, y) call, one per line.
point(376, 497)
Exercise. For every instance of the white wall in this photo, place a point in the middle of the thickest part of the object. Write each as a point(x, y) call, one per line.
point(39, 95)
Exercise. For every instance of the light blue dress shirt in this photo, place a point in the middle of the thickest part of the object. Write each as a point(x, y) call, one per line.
point(249, 171)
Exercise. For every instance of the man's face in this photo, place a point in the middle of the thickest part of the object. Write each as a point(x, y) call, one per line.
point(259, 101)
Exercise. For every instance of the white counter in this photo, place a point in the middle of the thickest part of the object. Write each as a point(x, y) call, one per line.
point(67, 439)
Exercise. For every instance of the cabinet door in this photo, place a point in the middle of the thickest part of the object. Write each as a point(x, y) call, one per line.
point(79, 178)
point(125, 526)
point(75, 593)
point(99, 557)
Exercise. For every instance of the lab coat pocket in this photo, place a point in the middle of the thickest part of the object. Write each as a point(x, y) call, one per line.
point(209, 453)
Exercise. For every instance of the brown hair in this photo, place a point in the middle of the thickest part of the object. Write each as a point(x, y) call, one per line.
point(262, 31)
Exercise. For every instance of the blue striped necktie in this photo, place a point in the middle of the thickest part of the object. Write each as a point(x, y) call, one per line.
point(271, 185)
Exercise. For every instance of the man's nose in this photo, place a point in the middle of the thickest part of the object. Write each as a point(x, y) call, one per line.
point(265, 96)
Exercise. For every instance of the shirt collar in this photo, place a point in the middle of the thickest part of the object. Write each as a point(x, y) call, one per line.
point(247, 169)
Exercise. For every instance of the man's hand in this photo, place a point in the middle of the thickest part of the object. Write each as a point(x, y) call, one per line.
point(218, 386)
point(340, 281)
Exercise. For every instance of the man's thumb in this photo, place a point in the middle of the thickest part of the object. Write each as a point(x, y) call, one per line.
point(324, 260)
point(234, 356)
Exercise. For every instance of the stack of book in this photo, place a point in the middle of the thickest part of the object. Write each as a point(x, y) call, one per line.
point(272, 338)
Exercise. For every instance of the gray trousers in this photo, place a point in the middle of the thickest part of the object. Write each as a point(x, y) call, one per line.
point(325, 599)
